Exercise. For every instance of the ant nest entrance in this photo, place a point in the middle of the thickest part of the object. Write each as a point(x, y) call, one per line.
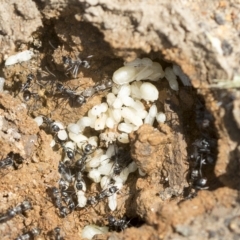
point(128, 143)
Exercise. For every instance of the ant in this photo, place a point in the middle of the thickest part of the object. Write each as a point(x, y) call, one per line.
point(117, 224)
point(11, 161)
point(74, 65)
point(57, 201)
point(71, 94)
point(80, 163)
point(63, 185)
point(30, 235)
point(53, 126)
point(103, 85)
point(65, 172)
point(27, 84)
point(56, 232)
point(104, 194)
point(79, 183)
point(122, 159)
point(68, 200)
point(12, 212)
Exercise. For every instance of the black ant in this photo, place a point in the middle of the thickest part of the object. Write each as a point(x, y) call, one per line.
point(11, 160)
point(12, 212)
point(122, 159)
point(30, 235)
point(26, 86)
point(102, 195)
point(79, 183)
point(80, 163)
point(117, 225)
point(65, 172)
point(56, 232)
point(74, 65)
point(63, 185)
point(57, 201)
point(68, 200)
point(71, 94)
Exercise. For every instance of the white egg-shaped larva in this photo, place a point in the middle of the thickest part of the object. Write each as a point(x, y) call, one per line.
point(106, 169)
point(124, 75)
point(90, 231)
point(144, 73)
point(110, 151)
point(105, 181)
point(19, 57)
point(112, 202)
point(110, 123)
point(122, 176)
point(127, 113)
point(183, 77)
point(125, 127)
point(172, 79)
point(96, 110)
point(95, 175)
point(135, 63)
point(100, 122)
point(70, 145)
point(142, 114)
point(135, 90)
point(82, 200)
point(149, 120)
point(161, 117)
point(62, 135)
point(132, 167)
point(110, 99)
point(39, 120)
point(117, 103)
point(74, 128)
point(157, 72)
point(123, 138)
point(153, 110)
point(92, 114)
point(147, 62)
point(117, 115)
point(93, 162)
point(138, 105)
point(128, 101)
point(2, 81)
point(77, 137)
point(149, 92)
point(115, 88)
point(104, 107)
point(124, 91)
point(84, 122)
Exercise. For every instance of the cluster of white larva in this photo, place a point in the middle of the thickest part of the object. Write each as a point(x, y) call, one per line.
point(146, 69)
point(123, 112)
